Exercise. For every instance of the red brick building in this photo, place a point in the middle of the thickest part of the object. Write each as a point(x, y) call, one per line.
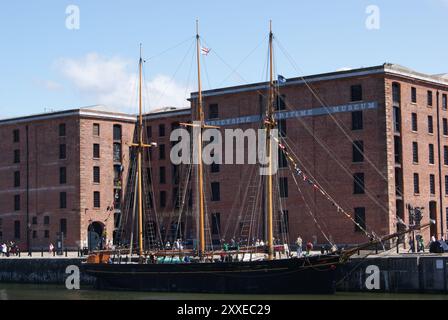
point(375, 138)
point(60, 172)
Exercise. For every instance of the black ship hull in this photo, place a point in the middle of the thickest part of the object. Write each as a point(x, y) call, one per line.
point(314, 275)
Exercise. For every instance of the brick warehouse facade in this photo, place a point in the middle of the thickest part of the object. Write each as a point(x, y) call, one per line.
point(57, 174)
point(375, 106)
point(387, 110)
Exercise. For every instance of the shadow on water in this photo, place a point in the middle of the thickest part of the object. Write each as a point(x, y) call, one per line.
point(54, 292)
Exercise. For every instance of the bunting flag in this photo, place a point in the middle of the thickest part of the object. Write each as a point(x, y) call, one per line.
point(205, 51)
point(305, 178)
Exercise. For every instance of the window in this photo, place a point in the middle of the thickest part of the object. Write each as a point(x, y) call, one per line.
point(216, 223)
point(162, 175)
point(175, 173)
point(429, 98)
point(431, 153)
point(96, 129)
point(282, 127)
point(46, 220)
point(16, 135)
point(62, 151)
point(117, 152)
point(444, 101)
point(430, 125)
point(282, 160)
point(175, 125)
point(176, 199)
point(96, 150)
point(280, 102)
point(445, 126)
point(62, 175)
point(62, 130)
point(161, 130)
point(216, 196)
point(63, 200)
point(17, 179)
point(96, 175)
point(432, 184)
point(445, 155)
point(360, 219)
point(414, 122)
point(162, 199)
point(149, 131)
point(34, 234)
point(416, 183)
point(358, 183)
point(63, 226)
point(215, 167)
point(414, 95)
point(396, 94)
point(283, 226)
point(415, 152)
point(161, 152)
point(356, 92)
point(17, 229)
point(34, 220)
point(283, 185)
point(47, 234)
point(17, 202)
point(398, 182)
point(397, 149)
point(358, 151)
point(357, 121)
point(446, 185)
point(16, 156)
point(117, 132)
point(397, 119)
point(96, 199)
point(213, 111)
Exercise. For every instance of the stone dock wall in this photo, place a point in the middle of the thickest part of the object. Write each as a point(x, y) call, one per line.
point(424, 274)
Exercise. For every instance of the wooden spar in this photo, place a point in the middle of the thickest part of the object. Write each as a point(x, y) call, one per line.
point(140, 147)
point(270, 124)
point(200, 117)
point(347, 253)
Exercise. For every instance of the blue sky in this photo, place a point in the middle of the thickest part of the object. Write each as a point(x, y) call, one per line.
point(46, 66)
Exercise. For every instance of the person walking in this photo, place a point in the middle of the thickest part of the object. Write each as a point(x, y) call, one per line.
point(411, 244)
point(50, 248)
point(299, 244)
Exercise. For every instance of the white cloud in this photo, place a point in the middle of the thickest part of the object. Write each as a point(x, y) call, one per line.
point(113, 82)
point(49, 84)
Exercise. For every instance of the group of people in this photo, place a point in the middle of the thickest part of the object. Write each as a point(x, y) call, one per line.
point(417, 244)
point(177, 245)
point(10, 248)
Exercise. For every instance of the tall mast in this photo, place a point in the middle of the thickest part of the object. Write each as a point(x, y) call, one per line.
point(140, 151)
point(270, 124)
point(140, 145)
point(200, 117)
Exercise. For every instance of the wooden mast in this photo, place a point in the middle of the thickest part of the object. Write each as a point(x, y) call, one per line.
point(270, 124)
point(140, 147)
point(140, 151)
point(200, 118)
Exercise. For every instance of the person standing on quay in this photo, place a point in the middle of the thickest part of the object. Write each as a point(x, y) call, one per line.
point(299, 246)
point(50, 248)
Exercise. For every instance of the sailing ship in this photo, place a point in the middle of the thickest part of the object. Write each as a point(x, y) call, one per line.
point(201, 272)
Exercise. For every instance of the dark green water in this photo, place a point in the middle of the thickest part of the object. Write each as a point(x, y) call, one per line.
point(51, 292)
